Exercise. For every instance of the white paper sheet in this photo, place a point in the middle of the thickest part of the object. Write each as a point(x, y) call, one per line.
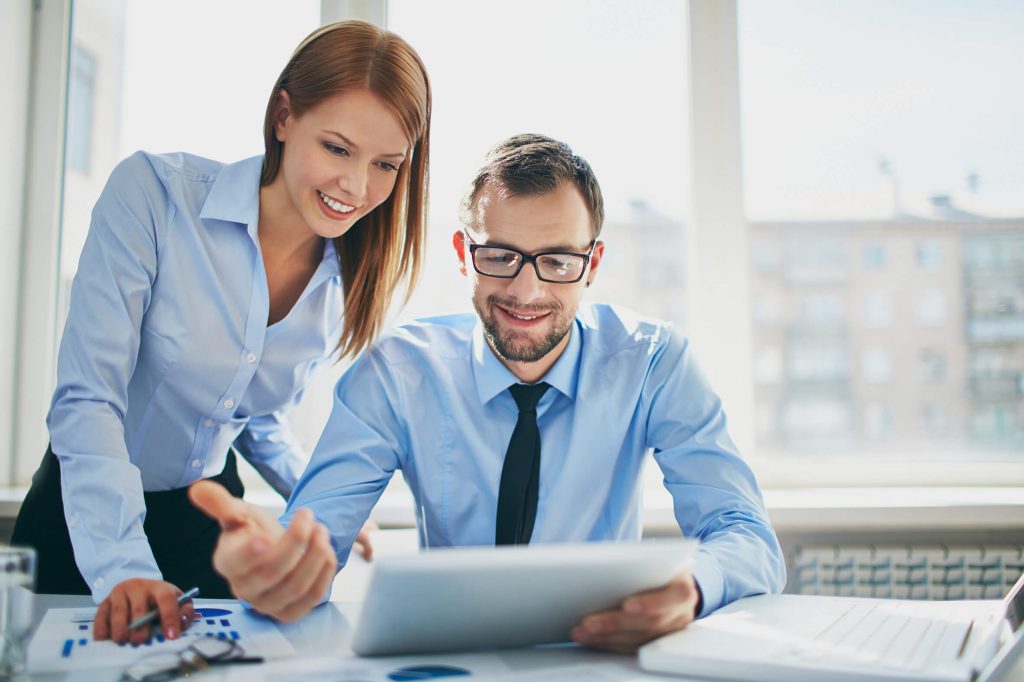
point(63, 641)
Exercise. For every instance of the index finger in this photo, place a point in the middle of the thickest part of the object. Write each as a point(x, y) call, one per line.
point(101, 623)
point(216, 502)
point(166, 600)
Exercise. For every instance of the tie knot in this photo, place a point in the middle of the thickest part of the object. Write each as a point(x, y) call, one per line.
point(527, 395)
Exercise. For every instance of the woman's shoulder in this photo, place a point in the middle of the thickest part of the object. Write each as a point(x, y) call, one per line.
point(166, 168)
point(149, 183)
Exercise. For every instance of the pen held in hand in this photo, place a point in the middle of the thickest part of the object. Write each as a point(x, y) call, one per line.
point(147, 618)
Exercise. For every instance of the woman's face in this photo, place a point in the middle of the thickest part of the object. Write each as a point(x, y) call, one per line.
point(340, 159)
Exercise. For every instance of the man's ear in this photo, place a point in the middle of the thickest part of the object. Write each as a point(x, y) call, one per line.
point(595, 262)
point(459, 242)
point(282, 113)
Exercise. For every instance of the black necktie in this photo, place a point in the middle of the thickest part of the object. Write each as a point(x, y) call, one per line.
point(520, 475)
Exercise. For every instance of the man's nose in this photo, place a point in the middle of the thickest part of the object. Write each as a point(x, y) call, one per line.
point(526, 286)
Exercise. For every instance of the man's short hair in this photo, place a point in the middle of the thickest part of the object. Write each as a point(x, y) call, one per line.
point(529, 164)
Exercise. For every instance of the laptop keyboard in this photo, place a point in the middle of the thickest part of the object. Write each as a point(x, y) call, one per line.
point(895, 634)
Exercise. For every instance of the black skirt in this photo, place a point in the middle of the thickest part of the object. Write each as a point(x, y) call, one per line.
point(182, 537)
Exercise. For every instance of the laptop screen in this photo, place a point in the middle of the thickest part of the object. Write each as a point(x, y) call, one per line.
point(1003, 663)
point(1015, 605)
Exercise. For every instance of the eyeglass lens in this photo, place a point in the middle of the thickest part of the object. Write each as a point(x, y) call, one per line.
point(554, 267)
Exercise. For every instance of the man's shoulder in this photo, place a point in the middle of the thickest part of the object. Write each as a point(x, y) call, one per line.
point(440, 336)
point(611, 328)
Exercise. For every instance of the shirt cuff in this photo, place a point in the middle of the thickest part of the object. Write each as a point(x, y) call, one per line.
point(103, 585)
point(708, 575)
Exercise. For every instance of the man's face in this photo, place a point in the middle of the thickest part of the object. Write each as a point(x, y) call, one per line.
point(527, 320)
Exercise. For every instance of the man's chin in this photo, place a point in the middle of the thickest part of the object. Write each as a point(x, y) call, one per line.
point(519, 346)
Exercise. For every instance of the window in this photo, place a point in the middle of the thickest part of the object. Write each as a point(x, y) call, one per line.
point(932, 365)
point(877, 310)
point(874, 256)
point(877, 420)
point(927, 255)
point(821, 309)
point(819, 361)
point(881, 134)
point(81, 96)
point(930, 308)
point(879, 141)
point(877, 365)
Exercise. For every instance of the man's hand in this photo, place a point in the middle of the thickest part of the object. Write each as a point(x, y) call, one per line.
point(642, 617)
point(363, 545)
point(282, 573)
point(136, 597)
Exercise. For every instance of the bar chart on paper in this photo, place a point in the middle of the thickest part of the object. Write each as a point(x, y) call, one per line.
point(64, 639)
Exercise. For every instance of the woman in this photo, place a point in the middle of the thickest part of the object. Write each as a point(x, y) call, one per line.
point(205, 297)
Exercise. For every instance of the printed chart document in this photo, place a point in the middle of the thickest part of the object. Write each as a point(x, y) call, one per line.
point(64, 640)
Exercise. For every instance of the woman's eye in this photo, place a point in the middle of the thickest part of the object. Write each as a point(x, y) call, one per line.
point(388, 166)
point(335, 149)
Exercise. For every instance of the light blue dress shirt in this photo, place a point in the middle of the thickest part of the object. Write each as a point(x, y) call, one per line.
point(432, 399)
point(167, 361)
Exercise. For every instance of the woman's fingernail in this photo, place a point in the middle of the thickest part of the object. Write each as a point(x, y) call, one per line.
point(172, 633)
point(633, 606)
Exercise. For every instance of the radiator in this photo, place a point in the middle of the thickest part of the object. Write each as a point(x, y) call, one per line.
point(905, 572)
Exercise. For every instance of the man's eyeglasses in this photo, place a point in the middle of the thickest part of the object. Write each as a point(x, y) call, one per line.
point(200, 655)
point(560, 267)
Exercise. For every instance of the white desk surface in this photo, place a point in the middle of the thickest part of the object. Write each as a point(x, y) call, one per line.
point(322, 642)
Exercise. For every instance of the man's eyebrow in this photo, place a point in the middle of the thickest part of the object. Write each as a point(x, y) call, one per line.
point(350, 143)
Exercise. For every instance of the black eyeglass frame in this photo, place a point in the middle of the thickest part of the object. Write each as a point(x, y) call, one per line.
point(530, 258)
point(189, 660)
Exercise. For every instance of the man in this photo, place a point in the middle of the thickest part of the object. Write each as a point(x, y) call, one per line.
point(592, 389)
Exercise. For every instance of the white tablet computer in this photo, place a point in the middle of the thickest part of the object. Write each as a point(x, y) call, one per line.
point(458, 599)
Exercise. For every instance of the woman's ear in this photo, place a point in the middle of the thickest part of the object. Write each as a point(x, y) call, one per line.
point(282, 114)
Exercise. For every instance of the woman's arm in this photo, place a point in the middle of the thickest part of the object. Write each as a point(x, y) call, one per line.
point(102, 489)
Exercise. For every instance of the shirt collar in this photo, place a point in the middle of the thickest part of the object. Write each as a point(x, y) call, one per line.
point(492, 377)
point(235, 195)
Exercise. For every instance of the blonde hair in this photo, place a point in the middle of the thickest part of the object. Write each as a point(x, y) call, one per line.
point(385, 248)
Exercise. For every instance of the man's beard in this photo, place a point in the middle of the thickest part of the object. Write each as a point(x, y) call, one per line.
point(515, 346)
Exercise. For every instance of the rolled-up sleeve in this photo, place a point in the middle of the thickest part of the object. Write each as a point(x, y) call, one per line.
point(715, 495)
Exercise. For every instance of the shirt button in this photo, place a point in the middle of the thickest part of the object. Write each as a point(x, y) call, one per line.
point(208, 423)
point(100, 582)
point(196, 464)
point(73, 521)
point(251, 357)
point(229, 403)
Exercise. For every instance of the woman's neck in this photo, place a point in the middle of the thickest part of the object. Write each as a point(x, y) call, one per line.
point(283, 233)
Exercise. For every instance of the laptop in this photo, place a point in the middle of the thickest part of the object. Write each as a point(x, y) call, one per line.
point(461, 599)
point(794, 638)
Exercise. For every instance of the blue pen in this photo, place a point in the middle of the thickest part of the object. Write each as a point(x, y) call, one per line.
point(153, 615)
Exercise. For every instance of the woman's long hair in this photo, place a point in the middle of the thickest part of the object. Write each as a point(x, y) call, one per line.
point(385, 248)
